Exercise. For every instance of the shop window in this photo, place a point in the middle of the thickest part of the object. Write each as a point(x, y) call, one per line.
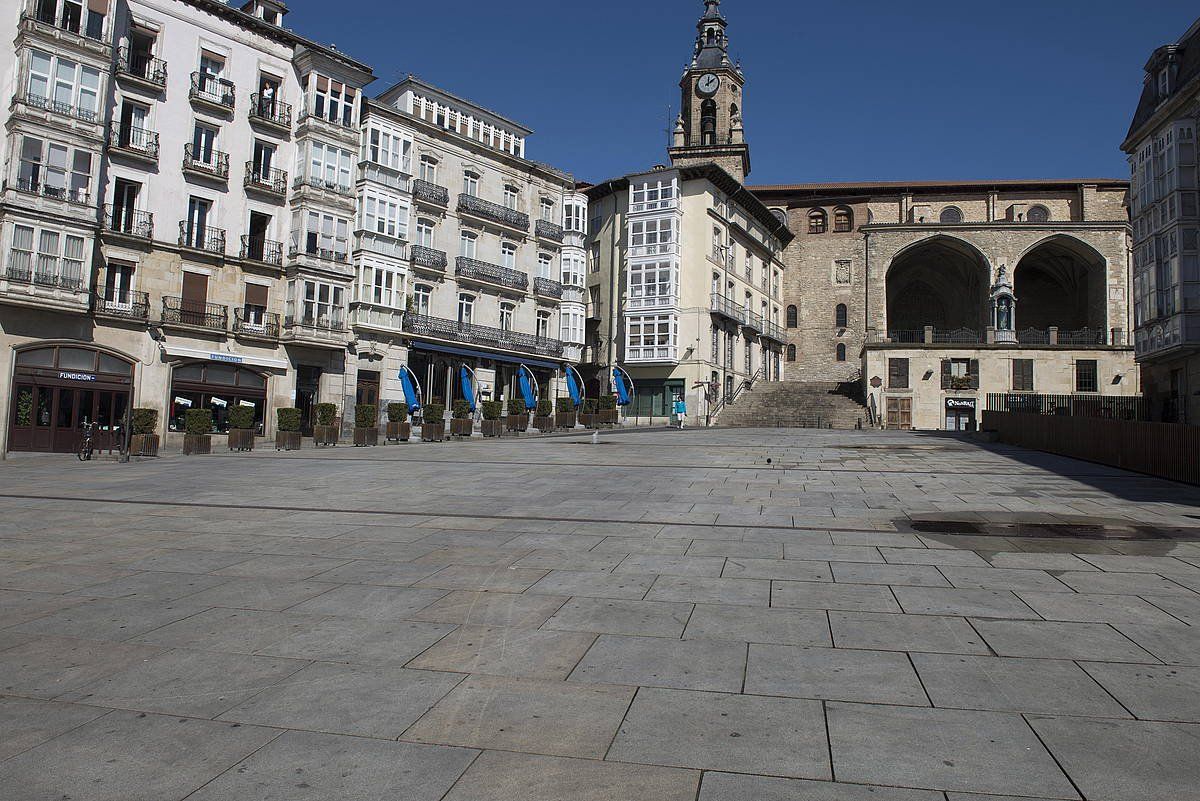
point(219, 387)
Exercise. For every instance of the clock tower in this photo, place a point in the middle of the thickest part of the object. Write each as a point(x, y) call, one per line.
point(709, 128)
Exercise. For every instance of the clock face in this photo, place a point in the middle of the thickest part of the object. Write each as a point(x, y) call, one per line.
point(708, 84)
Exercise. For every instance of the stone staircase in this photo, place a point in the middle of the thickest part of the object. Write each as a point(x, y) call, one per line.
point(796, 404)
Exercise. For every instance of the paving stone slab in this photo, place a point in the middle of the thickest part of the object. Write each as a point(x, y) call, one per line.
point(1095, 608)
point(784, 569)
point(375, 603)
point(932, 556)
point(610, 616)
point(239, 630)
point(250, 593)
point(1055, 640)
point(737, 787)
point(286, 568)
point(46, 667)
point(110, 618)
point(500, 776)
point(849, 597)
point(1092, 581)
point(504, 651)
point(386, 574)
point(1163, 565)
point(593, 584)
point(1000, 578)
point(153, 587)
point(736, 548)
point(27, 723)
point(491, 609)
point(1151, 692)
point(21, 607)
point(1185, 608)
point(687, 589)
point(672, 565)
point(824, 552)
point(1175, 643)
point(657, 662)
point(58, 578)
point(833, 674)
point(751, 624)
point(571, 560)
point(963, 603)
point(875, 631)
point(904, 575)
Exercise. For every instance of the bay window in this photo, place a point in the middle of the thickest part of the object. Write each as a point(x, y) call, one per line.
point(651, 338)
point(382, 284)
point(57, 260)
point(326, 236)
point(651, 237)
point(318, 304)
point(388, 149)
point(572, 270)
point(652, 195)
point(63, 86)
point(571, 326)
point(383, 214)
point(574, 218)
point(55, 170)
point(330, 166)
point(651, 284)
point(330, 100)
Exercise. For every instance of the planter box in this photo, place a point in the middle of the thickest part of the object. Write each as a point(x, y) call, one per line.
point(399, 432)
point(241, 439)
point(565, 419)
point(543, 424)
point(433, 432)
point(143, 445)
point(589, 419)
point(608, 417)
point(197, 444)
point(461, 428)
point(366, 437)
point(492, 428)
point(325, 435)
point(517, 423)
point(287, 440)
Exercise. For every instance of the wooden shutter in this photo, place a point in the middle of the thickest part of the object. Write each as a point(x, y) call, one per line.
point(946, 374)
point(256, 295)
point(195, 289)
point(898, 373)
point(973, 373)
point(322, 83)
point(98, 6)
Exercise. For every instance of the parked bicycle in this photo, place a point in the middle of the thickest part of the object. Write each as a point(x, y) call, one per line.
point(85, 446)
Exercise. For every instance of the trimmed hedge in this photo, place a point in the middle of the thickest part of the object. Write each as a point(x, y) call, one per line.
point(397, 412)
point(461, 410)
point(145, 421)
point(366, 415)
point(492, 409)
point(608, 402)
point(516, 406)
point(434, 413)
point(326, 412)
point(288, 419)
point(198, 421)
point(241, 417)
point(545, 408)
point(589, 405)
point(566, 405)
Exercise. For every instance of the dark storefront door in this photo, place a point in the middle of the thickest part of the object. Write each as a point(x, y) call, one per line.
point(960, 414)
point(368, 388)
point(308, 381)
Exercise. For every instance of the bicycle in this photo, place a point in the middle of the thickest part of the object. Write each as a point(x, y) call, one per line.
point(85, 446)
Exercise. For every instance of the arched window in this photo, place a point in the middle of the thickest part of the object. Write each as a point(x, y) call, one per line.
point(708, 122)
point(1038, 214)
point(952, 214)
point(733, 111)
point(791, 353)
point(840, 315)
point(843, 220)
point(817, 221)
point(792, 315)
point(780, 215)
point(841, 352)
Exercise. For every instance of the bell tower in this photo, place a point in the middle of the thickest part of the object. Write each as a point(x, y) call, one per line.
point(709, 128)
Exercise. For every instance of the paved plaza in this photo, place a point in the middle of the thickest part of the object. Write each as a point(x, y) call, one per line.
point(720, 615)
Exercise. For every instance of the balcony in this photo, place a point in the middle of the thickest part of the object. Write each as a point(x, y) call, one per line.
point(544, 229)
point(269, 112)
point(72, 27)
point(491, 212)
point(138, 143)
point(304, 184)
point(754, 322)
point(647, 354)
point(212, 92)
point(373, 316)
point(210, 163)
point(960, 382)
point(36, 102)
point(547, 288)
point(310, 250)
point(31, 186)
point(128, 222)
point(122, 304)
point(467, 333)
point(773, 331)
point(323, 331)
point(482, 271)
point(725, 307)
point(180, 311)
point(267, 180)
point(43, 282)
point(310, 122)
point(141, 69)
point(203, 238)
point(426, 192)
point(1052, 337)
point(263, 251)
point(428, 258)
point(253, 323)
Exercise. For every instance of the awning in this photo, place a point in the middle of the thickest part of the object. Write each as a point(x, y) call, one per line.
point(480, 354)
point(228, 358)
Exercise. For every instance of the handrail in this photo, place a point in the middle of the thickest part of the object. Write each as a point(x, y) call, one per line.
point(746, 384)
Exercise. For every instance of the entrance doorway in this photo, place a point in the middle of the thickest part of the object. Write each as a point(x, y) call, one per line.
point(960, 414)
point(308, 385)
point(368, 388)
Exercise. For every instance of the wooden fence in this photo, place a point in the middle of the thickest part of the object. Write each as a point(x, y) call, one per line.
point(1166, 450)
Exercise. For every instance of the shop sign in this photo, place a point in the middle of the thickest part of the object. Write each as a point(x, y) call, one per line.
point(215, 401)
point(77, 376)
point(966, 404)
point(225, 357)
point(182, 401)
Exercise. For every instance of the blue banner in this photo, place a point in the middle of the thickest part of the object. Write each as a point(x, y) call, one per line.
point(526, 380)
point(468, 386)
point(619, 380)
point(412, 394)
point(574, 385)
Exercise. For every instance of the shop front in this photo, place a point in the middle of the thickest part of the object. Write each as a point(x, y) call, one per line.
point(57, 389)
point(436, 367)
point(219, 381)
point(960, 414)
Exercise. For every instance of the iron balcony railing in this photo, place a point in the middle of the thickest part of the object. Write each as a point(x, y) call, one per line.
point(212, 162)
point(71, 19)
point(65, 109)
point(754, 321)
point(139, 141)
point(727, 308)
point(262, 250)
point(547, 287)
point(201, 237)
point(772, 330)
point(190, 312)
point(320, 183)
point(1033, 336)
point(1054, 337)
point(118, 302)
point(334, 322)
point(266, 179)
point(967, 381)
point(1083, 337)
point(430, 192)
point(1110, 406)
point(142, 66)
point(493, 212)
point(471, 334)
point(956, 336)
point(491, 273)
point(253, 321)
point(429, 258)
point(296, 250)
point(47, 272)
point(32, 186)
point(548, 230)
point(212, 90)
point(129, 222)
point(271, 111)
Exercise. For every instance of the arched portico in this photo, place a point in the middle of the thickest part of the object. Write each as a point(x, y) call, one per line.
point(941, 282)
point(1060, 282)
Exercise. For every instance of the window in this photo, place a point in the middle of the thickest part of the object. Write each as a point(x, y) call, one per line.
point(575, 218)
point(329, 166)
point(749, 357)
point(791, 353)
point(385, 215)
point(960, 374)
point(651, 237)
point(749, 267)
point(63, 86)
point(843, 220)
point(510, 197)
point(546, 207)
point(382, 285)
point(716, 344)
point(422, 293)
point(951, 215)
point(817, 221)
point(1086, 377)
point(791, 317)
point(594, 257)
point(651, 195)
point(775, 284)
point(387, 148)
point(1022, 375)
point(466, 308)
point(543, 324)
point(321, 305)
point(572, 270)
point(425, 232)
point(216, 386)
point(841, 352)
point(897, 373)
point(55, 170)
point(508, 255)
point(507, 310)
point(839, 315)
point(651, 337)
point(331, 100)
point(466, 244)
point(326, 236)
point(470, 184)
point(841, 272)
point(651, 284)
point(59, 256)
point(718, 244)
point(429, 168)
point(1037, 214)
point(570, 323)
point(545, 265)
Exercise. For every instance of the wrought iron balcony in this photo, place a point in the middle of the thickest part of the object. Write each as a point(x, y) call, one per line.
point(181, 311)
point(65, 109)
point(211, 90)
point(127, 304)
point(471, 334)
point(70, 20)
point(142, 67)
point(754, 321)
point(333, 323)
point(129, 222)
point(32, 186)
point(772, 331)
point(476, 270)
point(297, 249)
point(270, 111)
point(138, 142)
point(266, 179)
point(303, 181)
point(254, 322)
point(1083, 337)
point(261, 250)
point(548, 230)
point(430, 192)
point(214, 163)
point(547, 287)
point(202, 237)
point(957, 336)
point(429, 258)
point(493, 212)
point(47, 271)
point(727, 308)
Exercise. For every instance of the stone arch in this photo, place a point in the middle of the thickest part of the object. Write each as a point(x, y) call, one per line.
point(1060, 281)
point(941, 281)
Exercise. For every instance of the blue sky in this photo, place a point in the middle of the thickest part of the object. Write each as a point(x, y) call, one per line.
point(836, 91)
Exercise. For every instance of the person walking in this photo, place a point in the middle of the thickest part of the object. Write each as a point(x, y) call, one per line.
point(680, 409)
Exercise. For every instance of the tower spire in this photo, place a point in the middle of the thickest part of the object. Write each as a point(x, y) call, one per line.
point(712, 45)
